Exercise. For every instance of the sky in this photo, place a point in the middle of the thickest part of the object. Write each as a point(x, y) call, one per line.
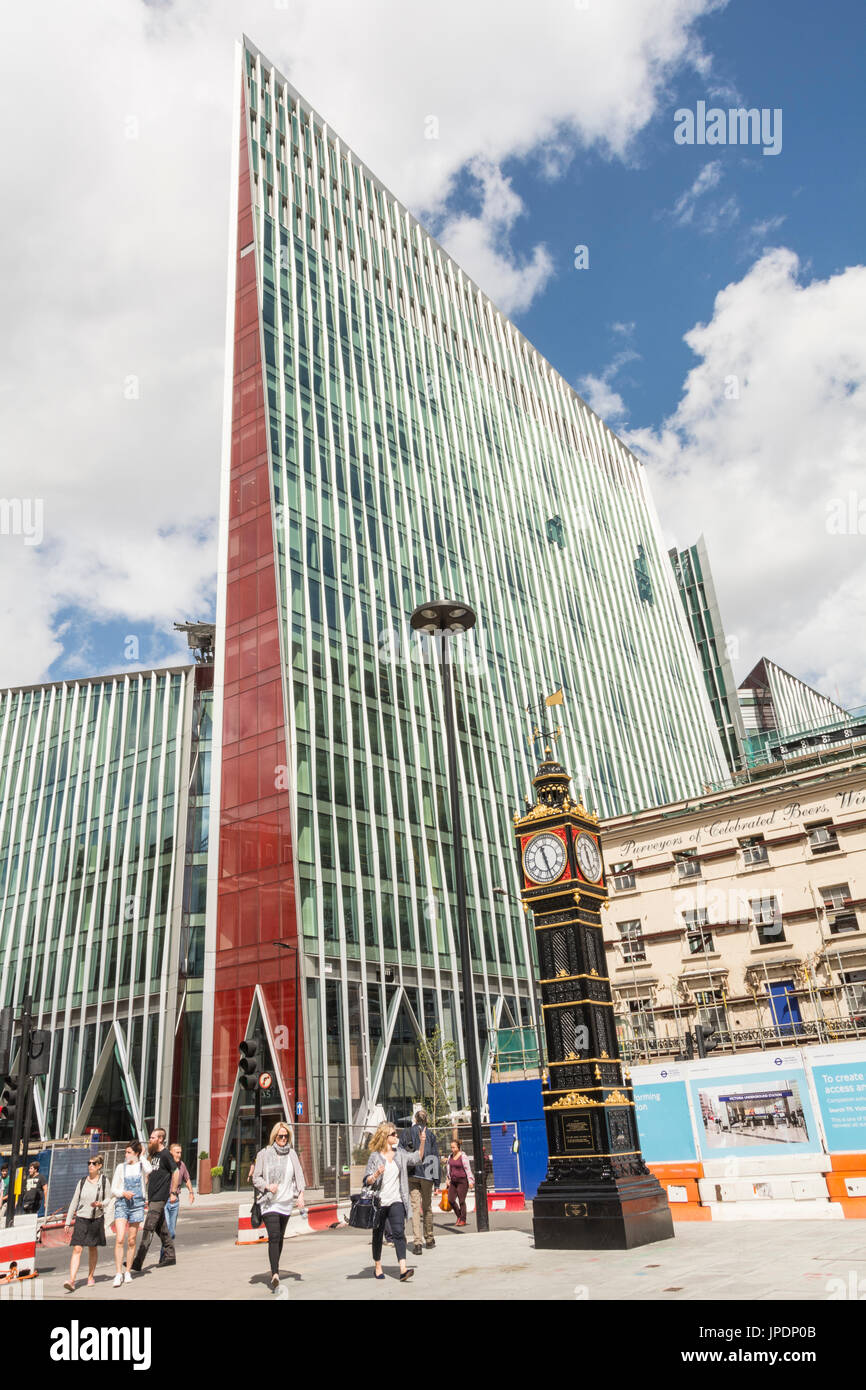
point(707, 299)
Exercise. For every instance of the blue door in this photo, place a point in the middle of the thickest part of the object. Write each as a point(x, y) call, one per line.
point(785, 1007)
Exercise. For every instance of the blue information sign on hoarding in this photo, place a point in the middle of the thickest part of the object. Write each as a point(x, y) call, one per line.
point(841, 1091)
point(663, 1122)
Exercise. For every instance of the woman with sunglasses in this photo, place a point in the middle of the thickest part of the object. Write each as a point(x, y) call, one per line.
point(86, 1220)
point(387, 1173)
point(279, 1179)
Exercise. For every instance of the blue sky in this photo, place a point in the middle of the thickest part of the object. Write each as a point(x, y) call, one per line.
point(706, 265)
point(663, 276)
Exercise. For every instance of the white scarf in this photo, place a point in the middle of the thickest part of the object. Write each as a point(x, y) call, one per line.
point(288, 1189)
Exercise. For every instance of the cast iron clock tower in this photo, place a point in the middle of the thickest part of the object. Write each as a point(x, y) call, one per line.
point(598, 1193)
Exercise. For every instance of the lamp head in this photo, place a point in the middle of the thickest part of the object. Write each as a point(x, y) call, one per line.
point(443, 616)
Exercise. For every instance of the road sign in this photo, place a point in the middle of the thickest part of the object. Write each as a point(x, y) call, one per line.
point(266, 1081)
point(299, 1109)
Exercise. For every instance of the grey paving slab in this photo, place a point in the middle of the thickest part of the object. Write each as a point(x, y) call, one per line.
point(788, 1260)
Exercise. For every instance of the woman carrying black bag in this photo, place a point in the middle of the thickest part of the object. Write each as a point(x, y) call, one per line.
point(86, 1220)
point(387, 1174)
point(279, 1179)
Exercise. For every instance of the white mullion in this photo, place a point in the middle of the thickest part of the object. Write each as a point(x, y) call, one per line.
point(18, 810)
point(58, 931)
point(79, 699)
point(104, 718)
point(170, 942)
point(129, 922)
point(51, 845)
point(35, 857)
point(354, 588)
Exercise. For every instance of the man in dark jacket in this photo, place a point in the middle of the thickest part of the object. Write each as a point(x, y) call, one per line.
point(419, 1139)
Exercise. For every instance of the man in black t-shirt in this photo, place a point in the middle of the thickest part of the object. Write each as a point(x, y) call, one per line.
point(162, 1184)
point(34, 1189)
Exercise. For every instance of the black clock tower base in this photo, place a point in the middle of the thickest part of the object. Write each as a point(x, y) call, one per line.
point(601, 1216)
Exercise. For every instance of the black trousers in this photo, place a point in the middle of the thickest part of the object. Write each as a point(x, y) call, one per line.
point(395, 1215)
point(275, 1225)
point(154, 1221)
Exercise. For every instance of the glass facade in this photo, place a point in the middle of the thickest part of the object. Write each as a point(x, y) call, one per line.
point(93, 805)
point(412, 445)
point(698, 593)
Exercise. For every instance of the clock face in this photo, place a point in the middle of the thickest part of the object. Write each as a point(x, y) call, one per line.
point(544, 858)
point(588, 857)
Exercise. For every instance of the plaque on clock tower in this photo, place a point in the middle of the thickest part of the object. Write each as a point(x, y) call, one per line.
point(598, 1193)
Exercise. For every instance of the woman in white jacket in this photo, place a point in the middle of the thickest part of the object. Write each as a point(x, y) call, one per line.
point(279, 1179)
point(127, 1187)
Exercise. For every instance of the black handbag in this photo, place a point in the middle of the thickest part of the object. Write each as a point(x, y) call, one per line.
point(256, 1218)
point(365, 1209)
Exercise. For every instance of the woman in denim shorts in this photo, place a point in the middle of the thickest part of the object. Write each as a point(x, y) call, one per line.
point(127, 1187)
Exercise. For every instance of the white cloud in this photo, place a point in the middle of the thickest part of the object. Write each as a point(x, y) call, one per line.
point(709, 177)
point(759, 234)
point(771, 428)
point(114, 243)
point(480, 244)
point(693, 208)
point(598, 392)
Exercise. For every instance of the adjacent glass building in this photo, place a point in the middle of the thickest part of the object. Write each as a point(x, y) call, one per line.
point(773, 701)
point(390, 437)
point(104, 788)
point(698, 593)
point(777, 706)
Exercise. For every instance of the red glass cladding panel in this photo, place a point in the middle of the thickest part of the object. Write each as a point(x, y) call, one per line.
point(256, 897)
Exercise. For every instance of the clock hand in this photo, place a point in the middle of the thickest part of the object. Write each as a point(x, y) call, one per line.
point(543, 853)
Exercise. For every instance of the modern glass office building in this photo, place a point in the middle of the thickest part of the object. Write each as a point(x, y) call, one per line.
point(104, 788)
point(390, 437)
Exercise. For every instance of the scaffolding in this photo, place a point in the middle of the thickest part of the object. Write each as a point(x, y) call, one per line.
point(824, 1013)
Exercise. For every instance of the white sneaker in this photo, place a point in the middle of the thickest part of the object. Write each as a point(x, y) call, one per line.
point(127, 1277)
point(118, 1280)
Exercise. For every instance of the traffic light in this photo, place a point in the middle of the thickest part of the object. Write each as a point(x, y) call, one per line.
point(249, 1064)
point(7, 1019)
point(705, 1038)
point(39, 1054)
point(10, 1099)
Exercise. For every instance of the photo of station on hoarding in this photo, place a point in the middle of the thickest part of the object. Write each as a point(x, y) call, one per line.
point(753, 1113)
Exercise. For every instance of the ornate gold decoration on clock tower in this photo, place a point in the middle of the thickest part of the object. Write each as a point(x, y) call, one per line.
point(598, 1193)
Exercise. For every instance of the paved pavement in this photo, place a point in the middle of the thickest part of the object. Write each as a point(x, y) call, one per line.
point(760, 1261)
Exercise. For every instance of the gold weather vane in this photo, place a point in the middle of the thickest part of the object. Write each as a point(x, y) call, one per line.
point(547, 736)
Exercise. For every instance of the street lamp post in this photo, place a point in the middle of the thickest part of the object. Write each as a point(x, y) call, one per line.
point(445, 619)
point(287, 946)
